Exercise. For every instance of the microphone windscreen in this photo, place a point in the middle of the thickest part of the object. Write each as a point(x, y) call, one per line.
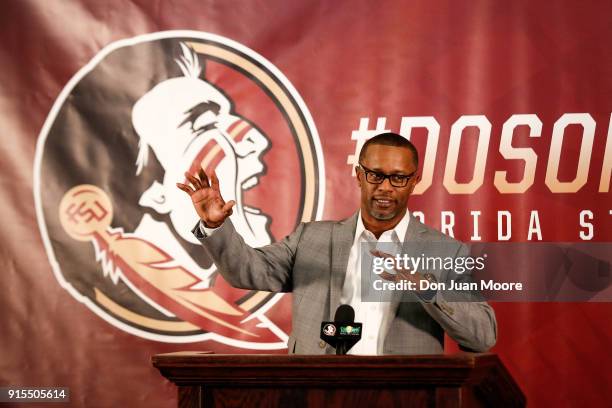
point(344, 313)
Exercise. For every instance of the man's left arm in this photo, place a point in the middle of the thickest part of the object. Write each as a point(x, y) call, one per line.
point(465, 318)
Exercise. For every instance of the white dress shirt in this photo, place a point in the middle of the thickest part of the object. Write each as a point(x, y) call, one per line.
point(375, 315)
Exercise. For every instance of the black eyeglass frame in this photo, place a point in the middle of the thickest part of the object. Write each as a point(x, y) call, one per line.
point(405, 177)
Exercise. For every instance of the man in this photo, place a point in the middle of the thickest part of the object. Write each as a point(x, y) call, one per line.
point(320, 262)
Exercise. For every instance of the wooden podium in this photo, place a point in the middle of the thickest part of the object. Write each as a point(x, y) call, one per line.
point(219, 380)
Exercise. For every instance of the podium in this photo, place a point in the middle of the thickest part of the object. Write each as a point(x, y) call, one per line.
point(218, 380)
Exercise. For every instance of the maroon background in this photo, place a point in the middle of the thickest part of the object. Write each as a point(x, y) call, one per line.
point(348, 60)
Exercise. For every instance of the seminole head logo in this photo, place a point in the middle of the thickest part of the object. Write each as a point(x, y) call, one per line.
point(121, 134)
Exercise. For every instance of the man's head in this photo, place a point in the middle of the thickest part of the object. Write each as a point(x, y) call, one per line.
point(387, 174)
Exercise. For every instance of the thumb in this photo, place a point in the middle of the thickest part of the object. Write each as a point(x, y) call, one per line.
point(228, 206)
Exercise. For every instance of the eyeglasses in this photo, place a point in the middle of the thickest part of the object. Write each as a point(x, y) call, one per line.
point(396, 180)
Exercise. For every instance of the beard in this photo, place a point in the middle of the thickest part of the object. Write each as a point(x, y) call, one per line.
point(385, 213)
point(383, 216)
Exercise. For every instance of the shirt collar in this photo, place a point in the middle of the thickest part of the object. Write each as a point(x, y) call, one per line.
point(400, 229)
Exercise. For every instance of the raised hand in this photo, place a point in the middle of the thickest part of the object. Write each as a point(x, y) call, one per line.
point(206, 198)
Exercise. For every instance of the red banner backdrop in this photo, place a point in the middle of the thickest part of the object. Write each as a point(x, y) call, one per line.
point(106, 104)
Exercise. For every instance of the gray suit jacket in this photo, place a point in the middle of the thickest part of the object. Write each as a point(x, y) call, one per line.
point(312, 263)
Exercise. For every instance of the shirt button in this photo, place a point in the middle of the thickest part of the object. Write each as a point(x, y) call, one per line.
point(321, 344)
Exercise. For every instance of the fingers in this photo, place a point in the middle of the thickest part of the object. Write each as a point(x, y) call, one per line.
point(397, 268)
point(380, 254)
point(185, 188)
point(388, 276)
point(203, 177)
point(198, 183)
point(227, 208)
point(194, 181)
point(400, 276)
point(214, 181)
point(404, 276)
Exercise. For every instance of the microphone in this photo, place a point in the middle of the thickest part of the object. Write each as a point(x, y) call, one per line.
point(344, 314)
point(343, 333)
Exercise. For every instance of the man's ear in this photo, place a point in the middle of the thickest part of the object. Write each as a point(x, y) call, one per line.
point(358, 176)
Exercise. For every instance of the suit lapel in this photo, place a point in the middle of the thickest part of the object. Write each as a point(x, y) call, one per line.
point(343, 235)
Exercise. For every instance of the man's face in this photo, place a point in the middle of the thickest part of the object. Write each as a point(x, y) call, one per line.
point(383, 201)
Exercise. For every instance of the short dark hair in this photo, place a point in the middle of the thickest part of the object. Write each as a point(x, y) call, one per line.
point(390, 139)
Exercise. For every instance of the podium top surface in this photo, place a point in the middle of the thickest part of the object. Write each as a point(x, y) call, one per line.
point(456, 369)
point(482, 371)
point(209, 359)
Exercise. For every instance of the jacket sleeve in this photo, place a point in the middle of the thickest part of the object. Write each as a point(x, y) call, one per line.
point(465, 317)
point(268, 268)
